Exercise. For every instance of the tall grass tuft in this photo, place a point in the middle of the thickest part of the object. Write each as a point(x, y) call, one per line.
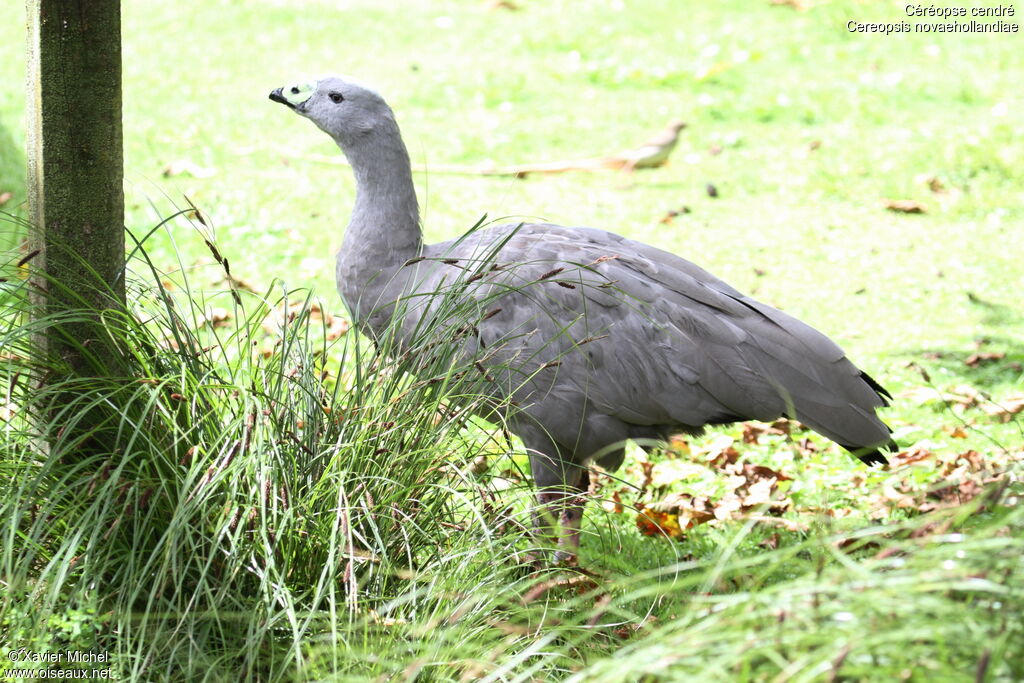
point(247, 484)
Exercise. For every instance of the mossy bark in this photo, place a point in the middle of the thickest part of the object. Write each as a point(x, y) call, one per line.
point(75, 172)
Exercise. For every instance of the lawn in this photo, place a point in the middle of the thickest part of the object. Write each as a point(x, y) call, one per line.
point(808, 134)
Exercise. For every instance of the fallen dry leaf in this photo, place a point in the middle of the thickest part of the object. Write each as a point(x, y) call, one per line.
point(1005, 408)
point(651, 522)
point(982, 357)
point(753, 430)
point(614, 504)
point(186, 167)
point(578, 583)
point(960, 397)
point(780, 522)
point(754, 472)
point(759, 493)
point(798, 5)
point(957, 431)
point(904, 206)
point(336, 327)
point(673, 515)
point(727, 506)
point(671, 214)
point(974, 460)
point(647, 467)
point(501, 4)
point(915, 454)
point(668, 472)
point(678, 445)
point(806, 447)
point(214, 317)
point(719, 451)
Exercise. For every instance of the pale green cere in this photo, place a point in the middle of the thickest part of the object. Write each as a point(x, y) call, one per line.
point(300, 92)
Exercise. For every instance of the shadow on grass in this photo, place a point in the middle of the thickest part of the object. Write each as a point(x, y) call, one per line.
point(995, 360)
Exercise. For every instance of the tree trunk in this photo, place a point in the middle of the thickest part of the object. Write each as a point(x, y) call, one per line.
point(75, 172)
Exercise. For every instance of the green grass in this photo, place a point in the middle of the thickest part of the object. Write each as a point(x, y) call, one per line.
point(816, 128)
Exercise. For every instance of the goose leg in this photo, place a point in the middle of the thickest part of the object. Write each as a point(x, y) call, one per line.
point(572, 517)
point(557, 514)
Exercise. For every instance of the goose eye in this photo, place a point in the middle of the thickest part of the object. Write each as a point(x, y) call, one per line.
point(336, 97)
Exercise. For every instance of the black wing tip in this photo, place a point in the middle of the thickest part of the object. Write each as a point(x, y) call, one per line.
point(874, 456)
point(878, 388)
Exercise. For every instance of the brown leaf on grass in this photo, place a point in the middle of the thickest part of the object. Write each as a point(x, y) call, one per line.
point(798, 5)
point(912, 455)
point(651, 522)
point(577, 583)
point(965, 395)
point(770, 543)
point(952, 495)
point(760, 493)
point(673, 515)
point(754, 472)
point(671, 214)
point(690, 510)
point(719, 452)
point(853, 543)
point(919, 395)
point(982, 357)
point(806, 447)
point(613, 504)
point(960, 397)
point(667, 472)
point(727, 506)
point(215, 317)
point(239, 283)
point(945, 195)
point(904, 206)
point(975, 461)
point(501, 4)
point(627, 630)
point(336, 327)
point(1006, 408)
point(186, 167)
point(647, 467)
point(935, 185)
point(790, 525)
point(753, 430)
point(955, 431)
point(899, 498)
point(678, 445)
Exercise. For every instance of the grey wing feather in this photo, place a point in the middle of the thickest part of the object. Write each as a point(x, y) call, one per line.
point(682, 348)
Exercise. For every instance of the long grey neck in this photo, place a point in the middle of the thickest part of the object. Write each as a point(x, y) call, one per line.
point(384, 231)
